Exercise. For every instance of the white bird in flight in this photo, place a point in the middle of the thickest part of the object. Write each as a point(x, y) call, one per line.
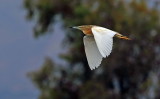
point(98, 43)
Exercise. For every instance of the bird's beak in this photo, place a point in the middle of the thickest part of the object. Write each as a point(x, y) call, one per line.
point(75, 27)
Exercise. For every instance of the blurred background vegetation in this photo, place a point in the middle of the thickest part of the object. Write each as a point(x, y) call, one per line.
point(130, 72)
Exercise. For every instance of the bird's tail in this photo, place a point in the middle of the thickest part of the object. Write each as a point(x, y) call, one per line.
point(122, 37)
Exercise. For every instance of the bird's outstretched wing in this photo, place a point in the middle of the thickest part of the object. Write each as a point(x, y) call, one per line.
point(104, 39)
point(93, 55)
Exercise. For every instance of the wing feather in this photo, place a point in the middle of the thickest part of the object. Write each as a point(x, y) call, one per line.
point(104, 39)
point(93, 55)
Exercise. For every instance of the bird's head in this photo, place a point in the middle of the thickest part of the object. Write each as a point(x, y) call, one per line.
point(86, 29)
point(83, 27)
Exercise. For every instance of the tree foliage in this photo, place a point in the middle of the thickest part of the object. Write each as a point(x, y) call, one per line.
point(130, 63)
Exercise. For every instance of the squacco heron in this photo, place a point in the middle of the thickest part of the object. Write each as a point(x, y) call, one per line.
point(98, 43)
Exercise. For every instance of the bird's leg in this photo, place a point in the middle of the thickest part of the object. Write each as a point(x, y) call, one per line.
point(121, 36)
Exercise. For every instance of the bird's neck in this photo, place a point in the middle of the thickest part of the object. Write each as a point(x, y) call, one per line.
point(87, 32)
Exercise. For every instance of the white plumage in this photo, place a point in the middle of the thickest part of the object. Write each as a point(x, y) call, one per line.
point(98, 46)
point(98, 43)
point(104, 40)
point(94, 57)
